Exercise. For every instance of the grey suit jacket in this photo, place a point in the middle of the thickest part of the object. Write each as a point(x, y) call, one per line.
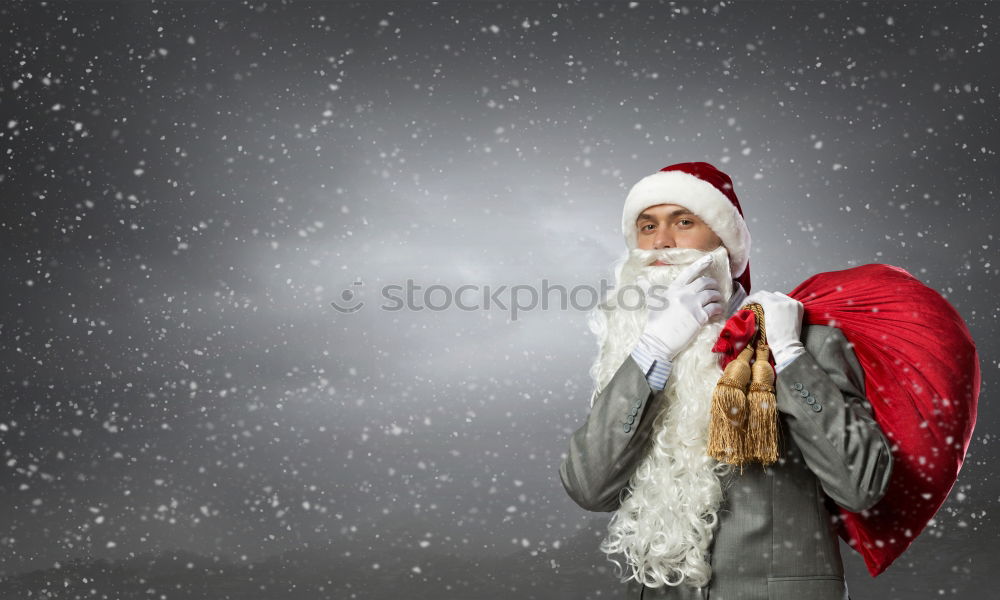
point(776, 538)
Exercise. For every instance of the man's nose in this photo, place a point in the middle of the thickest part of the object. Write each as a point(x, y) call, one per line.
point(663, 240)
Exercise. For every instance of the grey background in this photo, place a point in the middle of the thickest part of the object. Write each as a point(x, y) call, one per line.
point(187, 186)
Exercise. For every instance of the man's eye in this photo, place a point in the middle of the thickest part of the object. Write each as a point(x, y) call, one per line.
point(686, 221)
point(645, 226)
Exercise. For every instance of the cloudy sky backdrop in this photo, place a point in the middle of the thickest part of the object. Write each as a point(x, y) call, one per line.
point(188, 186)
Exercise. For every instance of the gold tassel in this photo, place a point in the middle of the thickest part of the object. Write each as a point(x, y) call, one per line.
point(726, 437)
point(762, 434)
point(744, 423)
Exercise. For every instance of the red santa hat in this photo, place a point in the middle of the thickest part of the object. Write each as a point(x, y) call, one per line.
point(705, 191)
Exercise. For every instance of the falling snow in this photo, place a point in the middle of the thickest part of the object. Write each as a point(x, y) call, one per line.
point(190, 188)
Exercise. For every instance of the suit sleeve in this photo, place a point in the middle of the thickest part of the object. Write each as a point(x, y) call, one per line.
point(821, 396)
point(605, 451)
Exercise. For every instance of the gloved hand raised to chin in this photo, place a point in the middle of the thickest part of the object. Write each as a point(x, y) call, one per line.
point(676, 313)
point(782, 324)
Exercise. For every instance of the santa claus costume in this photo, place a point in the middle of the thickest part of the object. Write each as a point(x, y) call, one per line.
point(684, 524)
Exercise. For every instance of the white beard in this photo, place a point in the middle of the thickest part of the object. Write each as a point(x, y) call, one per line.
point(667, 522)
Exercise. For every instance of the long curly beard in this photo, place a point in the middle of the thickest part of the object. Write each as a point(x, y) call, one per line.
point(667, 521)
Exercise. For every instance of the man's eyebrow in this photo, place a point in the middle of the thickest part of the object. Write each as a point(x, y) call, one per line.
point(676, 213)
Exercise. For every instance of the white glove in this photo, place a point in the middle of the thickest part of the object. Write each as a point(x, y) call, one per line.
point(782, 324)
point(677, 312)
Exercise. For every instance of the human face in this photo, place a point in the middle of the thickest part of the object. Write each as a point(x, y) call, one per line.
point(673, 226)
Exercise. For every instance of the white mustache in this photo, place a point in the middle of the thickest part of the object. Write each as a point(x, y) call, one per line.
point(671, 256)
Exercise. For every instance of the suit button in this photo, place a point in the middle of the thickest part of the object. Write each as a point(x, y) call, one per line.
point(630, 419)
point(634, 411)
point(797, 386)
point(817, 407)
point(627, 427)
point(810, 400)
point(804, 393)
point(638, 403)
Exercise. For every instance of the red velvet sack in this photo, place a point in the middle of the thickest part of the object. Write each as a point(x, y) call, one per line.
point(922, 379)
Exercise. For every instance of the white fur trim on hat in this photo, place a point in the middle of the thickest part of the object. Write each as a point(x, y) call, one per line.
point(700, 197)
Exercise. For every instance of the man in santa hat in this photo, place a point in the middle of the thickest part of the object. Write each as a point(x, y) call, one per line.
point(687, 525)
